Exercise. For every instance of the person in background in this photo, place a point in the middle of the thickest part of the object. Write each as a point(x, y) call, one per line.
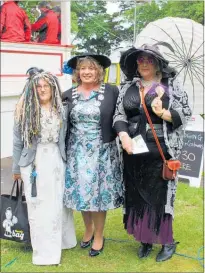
point(149, 199)
point(57, 10)
point(15, 25)
point(39, 160)
point(93, 176)
point(47, 25)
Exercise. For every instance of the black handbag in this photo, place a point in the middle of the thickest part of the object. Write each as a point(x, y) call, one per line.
point(14, 216)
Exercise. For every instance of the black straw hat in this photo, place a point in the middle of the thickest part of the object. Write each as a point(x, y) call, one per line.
point(128, 60)
point(103, 60)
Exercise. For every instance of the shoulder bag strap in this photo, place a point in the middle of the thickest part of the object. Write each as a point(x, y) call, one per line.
point(151, 125)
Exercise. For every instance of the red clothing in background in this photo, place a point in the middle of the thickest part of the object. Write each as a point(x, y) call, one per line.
point(59, 29)
point(47, 26)
point(15, 25)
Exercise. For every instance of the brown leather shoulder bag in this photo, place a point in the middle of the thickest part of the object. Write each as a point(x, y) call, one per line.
point(170, 167)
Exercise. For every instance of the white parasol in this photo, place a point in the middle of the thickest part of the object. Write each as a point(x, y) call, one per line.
point(186, 38)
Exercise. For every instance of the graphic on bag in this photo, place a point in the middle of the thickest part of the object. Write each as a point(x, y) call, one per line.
point(9, 222)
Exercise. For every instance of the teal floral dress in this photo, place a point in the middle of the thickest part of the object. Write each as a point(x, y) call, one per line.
point(93, 173)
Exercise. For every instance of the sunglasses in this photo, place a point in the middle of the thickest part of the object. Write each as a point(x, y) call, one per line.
point(141, 60)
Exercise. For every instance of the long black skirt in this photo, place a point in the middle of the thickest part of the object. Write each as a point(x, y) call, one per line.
point(145, 197)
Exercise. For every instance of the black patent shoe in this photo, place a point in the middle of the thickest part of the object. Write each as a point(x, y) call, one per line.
point(93, 252)
point(166, 252)
point(86, 244)
point(144, 250)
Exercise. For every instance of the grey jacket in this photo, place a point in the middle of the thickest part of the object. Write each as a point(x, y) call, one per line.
point(23, 156)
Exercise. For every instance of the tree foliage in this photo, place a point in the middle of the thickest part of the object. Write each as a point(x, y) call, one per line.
point(185, 9)
point(33, 14)
point(95, 30)
point(145, 13)
point(30, 8)
point(149, 12)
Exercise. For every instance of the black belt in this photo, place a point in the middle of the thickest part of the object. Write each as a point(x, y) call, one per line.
point(158, 129)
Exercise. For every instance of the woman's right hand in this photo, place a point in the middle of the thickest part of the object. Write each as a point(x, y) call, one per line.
point(126, 143)
point(16, 176)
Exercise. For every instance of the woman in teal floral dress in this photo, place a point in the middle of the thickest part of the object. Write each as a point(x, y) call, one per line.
point(93, 176)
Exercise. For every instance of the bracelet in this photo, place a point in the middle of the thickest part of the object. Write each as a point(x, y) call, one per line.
point(163, 110)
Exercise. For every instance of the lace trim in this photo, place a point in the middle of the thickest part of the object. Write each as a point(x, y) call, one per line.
point(99, 99)
point(173, 140)
point(120, 112)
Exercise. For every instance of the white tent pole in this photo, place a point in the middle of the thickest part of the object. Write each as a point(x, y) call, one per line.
point(65, 22)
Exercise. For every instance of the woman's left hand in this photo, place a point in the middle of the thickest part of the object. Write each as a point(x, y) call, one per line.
point(157, 106)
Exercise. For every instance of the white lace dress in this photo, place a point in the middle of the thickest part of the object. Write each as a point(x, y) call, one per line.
point(51, 224)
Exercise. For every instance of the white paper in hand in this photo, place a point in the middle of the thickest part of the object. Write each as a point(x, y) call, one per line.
point(138, 145)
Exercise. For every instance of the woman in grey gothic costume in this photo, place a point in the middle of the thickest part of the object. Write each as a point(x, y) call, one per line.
point(93, 176)
point(39, 159)
point(149, 199)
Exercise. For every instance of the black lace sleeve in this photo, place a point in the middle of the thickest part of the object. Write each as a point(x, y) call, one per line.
point(120, 123)
point(176, 120)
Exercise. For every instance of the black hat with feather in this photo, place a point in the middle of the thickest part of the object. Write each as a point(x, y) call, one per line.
point(128, 60)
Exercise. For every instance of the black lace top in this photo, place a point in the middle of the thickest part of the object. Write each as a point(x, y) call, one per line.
point(143, 171)
point(136, 117)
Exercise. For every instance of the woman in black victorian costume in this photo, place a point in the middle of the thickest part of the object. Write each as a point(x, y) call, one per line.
point(149, 199)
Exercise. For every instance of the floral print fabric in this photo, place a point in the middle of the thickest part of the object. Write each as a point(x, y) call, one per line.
point(50, 126)
point(51, 224)
point(93, 174)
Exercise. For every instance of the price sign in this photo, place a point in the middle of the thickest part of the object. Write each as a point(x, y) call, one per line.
point(191, 154)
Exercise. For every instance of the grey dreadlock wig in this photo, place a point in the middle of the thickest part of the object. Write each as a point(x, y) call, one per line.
point(28, 109)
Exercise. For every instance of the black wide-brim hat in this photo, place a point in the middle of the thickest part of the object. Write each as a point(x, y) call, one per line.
point(128, 60)
point(103, 60)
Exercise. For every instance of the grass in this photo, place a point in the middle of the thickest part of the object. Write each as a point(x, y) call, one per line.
point(120, 250)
